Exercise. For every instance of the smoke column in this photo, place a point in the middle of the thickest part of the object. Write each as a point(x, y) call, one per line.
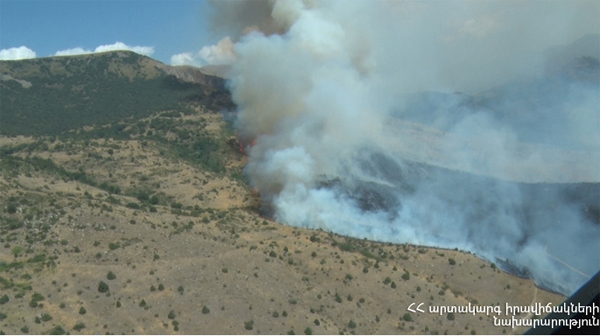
point(457, 124)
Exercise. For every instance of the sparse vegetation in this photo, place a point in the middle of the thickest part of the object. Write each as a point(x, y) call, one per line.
point(159, 198)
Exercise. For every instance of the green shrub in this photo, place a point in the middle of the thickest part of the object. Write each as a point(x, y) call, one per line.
point(450, 316)
point(37, 297)
point(11, 208)
point(451, 261)
point(351, 324)
point(111, 275)
point(103, 287)
point(4, 299)
point(407, 317)
point(205, 310)
point(406, 276)
point(249, 325)
point(82, 311)
point(133, 205)
point(171, 315)
point(78, 326)
point(308, 331)
point(57, 330)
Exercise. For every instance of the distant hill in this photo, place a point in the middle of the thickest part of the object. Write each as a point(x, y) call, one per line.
point(48, 96)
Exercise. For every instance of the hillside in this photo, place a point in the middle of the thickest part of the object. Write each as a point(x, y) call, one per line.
point(47, 96)
point(125, 211)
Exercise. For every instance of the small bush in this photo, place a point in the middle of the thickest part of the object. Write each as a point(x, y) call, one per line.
point(407, 317)
point(4, 299)
point(308, 331)
point(351, 324)
point(58, 330)
point(82, 311)
point(111, 275)
point(205, 310)
point(451, 261)
point(11, 208)
point(450, 317)
point(103, 287)
point(78, 326)
point(171, 315)
point(249, 325)
point(37, 297)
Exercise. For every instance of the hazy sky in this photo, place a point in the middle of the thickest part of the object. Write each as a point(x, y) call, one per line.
point(158, 28)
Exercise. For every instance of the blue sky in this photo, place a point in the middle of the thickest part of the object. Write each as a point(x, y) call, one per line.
point(160, 28)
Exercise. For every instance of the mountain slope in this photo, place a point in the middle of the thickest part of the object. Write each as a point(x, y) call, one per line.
point(128, 213)
point(48, 96)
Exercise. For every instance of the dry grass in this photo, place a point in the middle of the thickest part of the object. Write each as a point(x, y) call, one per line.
point(227, 258)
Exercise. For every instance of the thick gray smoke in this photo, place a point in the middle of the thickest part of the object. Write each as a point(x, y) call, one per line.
point(459, 124)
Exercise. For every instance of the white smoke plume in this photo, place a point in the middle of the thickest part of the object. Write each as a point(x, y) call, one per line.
point(218, 54)
point(459, 124)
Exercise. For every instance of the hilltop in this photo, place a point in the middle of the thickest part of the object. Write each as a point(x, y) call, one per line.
point(125, 210)
point(48, 96)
